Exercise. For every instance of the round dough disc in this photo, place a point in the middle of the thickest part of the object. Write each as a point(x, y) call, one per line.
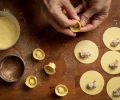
point(109, 35)
point(113, 84)
point(91, 76)
point(88, 46)
point(108, 58)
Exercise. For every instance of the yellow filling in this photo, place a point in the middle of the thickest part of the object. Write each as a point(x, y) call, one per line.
point(32, 81)
point(61, 90)
point(49, 69)
point(38, 54)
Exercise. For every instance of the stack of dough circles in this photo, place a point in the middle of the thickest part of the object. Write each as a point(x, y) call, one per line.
point(91, 76)
point(113, 84)
point(89, 46)
point(109, 35)
point(108, 58)
point(9, 30)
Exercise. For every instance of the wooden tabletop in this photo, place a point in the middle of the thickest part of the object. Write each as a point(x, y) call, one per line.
point(59, 49)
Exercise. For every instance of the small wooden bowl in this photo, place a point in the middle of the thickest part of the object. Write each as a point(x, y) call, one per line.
point(12, 68)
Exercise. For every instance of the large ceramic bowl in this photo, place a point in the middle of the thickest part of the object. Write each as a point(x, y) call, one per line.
point(16, 24)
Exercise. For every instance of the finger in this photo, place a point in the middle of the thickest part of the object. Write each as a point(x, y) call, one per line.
point(85, 17)
point(61, 30)
point(99, 18)
point(87, 28)
point(92, 26)
point(58, 14)
point(70, 10)
point(67, 32)
point(61, 18)
point(79, 8)
point(95, 23)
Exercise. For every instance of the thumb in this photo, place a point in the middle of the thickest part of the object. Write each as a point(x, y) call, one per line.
point(85, 17)
point(70, 10)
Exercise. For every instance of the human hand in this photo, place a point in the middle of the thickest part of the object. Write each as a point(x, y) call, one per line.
point(94, 12)
point(61, 15)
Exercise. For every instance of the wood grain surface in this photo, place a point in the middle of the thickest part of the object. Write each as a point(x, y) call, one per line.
point(58, 48)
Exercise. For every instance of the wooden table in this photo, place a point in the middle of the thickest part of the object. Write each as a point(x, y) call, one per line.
point(59, 49)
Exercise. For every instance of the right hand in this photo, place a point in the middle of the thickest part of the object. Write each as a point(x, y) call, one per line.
point(60, 14)
point(93, 14)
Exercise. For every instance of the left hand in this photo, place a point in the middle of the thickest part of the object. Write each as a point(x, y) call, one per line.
point(94, 12)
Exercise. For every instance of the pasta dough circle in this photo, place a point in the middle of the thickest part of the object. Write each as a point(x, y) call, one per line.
point(109, 35)
point(91, 76)
point(113, 84)
point(86, 45)
point(108, 58)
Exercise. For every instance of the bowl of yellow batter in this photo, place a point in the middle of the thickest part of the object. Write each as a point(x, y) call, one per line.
point(9, 30)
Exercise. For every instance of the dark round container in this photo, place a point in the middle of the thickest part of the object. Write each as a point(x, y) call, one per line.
point(12, 68)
